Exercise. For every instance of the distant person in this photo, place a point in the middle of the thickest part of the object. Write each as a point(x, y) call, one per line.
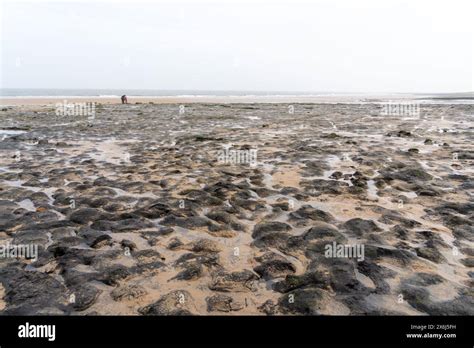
point(124, 99)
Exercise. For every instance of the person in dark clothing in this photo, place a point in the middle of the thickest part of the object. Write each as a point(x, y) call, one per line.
point(124, 99)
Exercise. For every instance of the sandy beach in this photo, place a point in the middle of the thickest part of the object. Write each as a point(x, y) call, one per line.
point(45, 101)
point(230, 208)
point(247, 99)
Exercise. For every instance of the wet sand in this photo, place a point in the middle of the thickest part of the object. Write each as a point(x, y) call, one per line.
point(135, 214)
point(208, 99)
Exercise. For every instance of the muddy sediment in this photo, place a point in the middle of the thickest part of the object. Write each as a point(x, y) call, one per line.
point(134, 211)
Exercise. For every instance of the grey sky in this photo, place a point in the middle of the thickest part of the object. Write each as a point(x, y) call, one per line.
point(330, 45)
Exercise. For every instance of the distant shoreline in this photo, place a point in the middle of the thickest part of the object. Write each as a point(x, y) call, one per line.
point(247, 99)
point(48, 96)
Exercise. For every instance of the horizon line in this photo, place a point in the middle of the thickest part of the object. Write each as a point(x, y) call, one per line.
point(233, 90)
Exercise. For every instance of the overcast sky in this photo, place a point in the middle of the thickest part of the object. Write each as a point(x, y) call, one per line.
point(326, 45)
